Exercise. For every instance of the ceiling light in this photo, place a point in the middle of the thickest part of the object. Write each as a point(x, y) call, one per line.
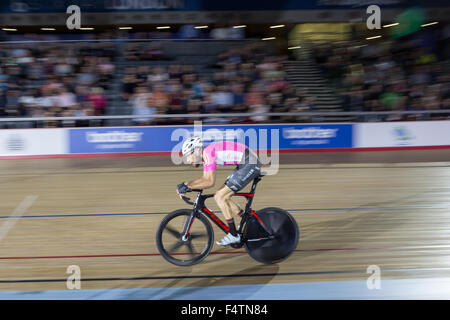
point(391, 25)
point(429, 24)
point(374, 37)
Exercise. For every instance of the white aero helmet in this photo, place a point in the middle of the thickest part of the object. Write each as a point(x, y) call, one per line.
point(190, 144)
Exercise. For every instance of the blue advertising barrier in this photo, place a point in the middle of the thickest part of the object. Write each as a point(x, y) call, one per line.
point(170, 138)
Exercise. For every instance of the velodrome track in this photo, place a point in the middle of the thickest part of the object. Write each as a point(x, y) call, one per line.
point(355, 209)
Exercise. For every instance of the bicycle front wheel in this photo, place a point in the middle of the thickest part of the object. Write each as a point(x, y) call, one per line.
point(189, 250)
point(284, 230)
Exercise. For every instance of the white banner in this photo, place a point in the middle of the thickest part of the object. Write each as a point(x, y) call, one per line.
point(401, 134)
point(30, 142)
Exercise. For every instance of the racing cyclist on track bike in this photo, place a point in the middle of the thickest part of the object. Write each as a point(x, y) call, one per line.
point(226, 153)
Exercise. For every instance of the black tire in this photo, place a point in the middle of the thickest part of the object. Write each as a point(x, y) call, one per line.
point(282, 225)
point(163, 245)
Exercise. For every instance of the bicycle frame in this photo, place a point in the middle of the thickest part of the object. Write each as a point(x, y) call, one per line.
point(200, 207)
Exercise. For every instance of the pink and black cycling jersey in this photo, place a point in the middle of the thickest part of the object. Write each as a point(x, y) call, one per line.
point(224, 153)
point(229, 153)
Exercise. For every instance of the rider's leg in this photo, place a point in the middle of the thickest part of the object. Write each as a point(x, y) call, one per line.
point(236, 181)
point(235, 209)
point(223, 200)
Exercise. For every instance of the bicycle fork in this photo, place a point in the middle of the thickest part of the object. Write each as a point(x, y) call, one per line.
point(188, 223)
point(187, 226)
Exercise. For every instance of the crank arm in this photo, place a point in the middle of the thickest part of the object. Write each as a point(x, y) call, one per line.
point(261, 239)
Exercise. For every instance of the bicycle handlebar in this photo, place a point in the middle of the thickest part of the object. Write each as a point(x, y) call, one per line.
point(188, 200)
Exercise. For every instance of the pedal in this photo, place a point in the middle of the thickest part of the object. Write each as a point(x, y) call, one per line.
point(237, 245)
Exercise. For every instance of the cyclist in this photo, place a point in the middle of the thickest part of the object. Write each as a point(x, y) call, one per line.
point(226, 153)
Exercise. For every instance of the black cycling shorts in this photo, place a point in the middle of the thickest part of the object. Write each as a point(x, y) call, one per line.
point(246, 171)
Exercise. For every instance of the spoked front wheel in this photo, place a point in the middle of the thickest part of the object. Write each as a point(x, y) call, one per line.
point(280, 244)
point(184, 251)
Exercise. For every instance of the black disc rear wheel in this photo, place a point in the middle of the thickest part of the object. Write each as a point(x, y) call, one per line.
point(285, 233)
point(190, 250)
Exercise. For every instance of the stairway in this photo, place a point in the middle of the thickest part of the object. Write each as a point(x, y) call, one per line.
point(305, 74)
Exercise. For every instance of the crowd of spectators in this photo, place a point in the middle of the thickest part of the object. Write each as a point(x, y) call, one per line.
point(72, 79)
point(243, 79)
point(391, 75)
point(51, 80)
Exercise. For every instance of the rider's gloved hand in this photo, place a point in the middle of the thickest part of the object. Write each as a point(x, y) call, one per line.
point(183, 188)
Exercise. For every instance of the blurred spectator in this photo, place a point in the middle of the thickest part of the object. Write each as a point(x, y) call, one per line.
point(105, 73)
point(129, 84)
point(222, 98)
point(173, 86)
point(175, 71)
point(208, 105)
point(142, 72)
point(255, 96)
point(259, 108)
point(64, 98)
point(98, 100)
point(86, 76)
point(140, 102)
point(12, 108)
point(45, 99)
point(158, 75)
point(28, 98)
point(389, 99)
point(36, 71)
point(194, 106)
point(83, 110)
point(275, 101)
point(160, 97)
point(238, 98)
point(81, 93)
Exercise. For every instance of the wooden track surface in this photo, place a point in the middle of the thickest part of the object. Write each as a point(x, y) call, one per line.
point(101, 214)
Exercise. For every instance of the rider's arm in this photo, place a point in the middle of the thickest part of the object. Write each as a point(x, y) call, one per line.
point(206, 181)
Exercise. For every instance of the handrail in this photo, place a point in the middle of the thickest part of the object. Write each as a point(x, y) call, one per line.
point(226, 115)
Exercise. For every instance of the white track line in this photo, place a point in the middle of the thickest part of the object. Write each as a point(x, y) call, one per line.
point(17, 213)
